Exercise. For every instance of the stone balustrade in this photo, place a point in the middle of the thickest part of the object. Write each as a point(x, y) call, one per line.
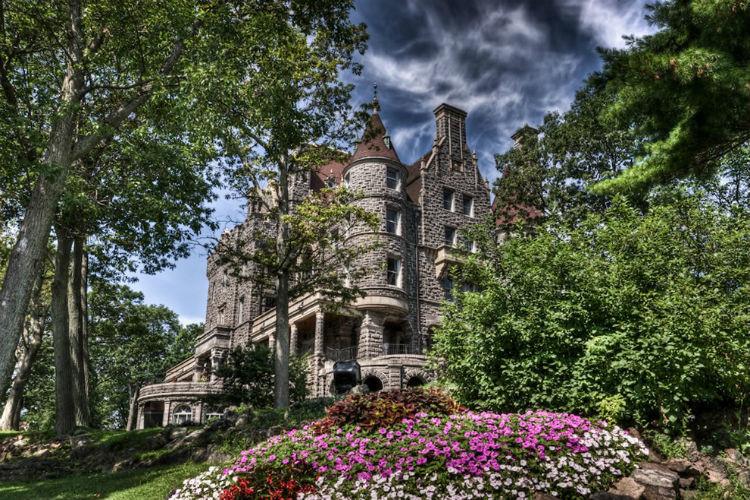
point(179, 389)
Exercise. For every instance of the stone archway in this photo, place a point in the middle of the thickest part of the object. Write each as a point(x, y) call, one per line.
point(373, 383)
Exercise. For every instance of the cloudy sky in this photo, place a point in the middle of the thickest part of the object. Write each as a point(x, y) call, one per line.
point(505, 62)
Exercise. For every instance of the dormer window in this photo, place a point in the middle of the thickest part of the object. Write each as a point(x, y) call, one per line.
point(387, 141)
point(393, 178)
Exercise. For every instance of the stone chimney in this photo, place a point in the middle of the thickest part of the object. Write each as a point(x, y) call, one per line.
point(524, 134)
point(450, 122)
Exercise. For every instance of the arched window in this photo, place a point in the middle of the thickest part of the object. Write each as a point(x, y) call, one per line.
point(373, 383)
point(182, 415)
point(415, 381)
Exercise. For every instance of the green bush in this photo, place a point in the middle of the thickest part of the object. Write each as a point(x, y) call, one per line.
point(643, 318)
point(385, 408)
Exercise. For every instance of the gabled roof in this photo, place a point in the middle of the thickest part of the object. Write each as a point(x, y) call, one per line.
point(375, 142)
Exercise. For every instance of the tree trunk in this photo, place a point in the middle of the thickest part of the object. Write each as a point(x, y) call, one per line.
point(27, 350)
point(25, 261)
point(281, 351)
point(64, 408)
point(85, 326)
point(76, 321)
point(132, 407)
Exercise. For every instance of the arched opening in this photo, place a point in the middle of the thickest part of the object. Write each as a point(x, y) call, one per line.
point(182, 415)
point(373, 383)
point(153, 414)
point(415, 381)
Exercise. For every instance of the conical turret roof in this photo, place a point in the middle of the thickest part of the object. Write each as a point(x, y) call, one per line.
point(375, 143)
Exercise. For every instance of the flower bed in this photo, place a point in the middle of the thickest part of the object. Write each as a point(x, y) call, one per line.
point(461, 455)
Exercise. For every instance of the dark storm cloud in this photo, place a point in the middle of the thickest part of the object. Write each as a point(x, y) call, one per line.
point(505, 62)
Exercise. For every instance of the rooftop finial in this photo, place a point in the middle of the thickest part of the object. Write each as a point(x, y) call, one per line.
point(375, 102)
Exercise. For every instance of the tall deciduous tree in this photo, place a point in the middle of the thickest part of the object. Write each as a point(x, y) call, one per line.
point(284, 121)
point(685, 88)
point(71, 74)
point(132, 344)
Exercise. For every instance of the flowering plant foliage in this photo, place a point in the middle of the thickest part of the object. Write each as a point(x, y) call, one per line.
point(463, 455)
point(385, 408)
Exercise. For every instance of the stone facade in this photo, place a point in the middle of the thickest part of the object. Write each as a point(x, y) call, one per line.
point(423, 208)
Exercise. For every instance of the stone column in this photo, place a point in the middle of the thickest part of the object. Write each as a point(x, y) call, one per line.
point(167, 413)
point(293, 335)
point(198, 412)
point(370, 336)
point(217, 356)
point(140, 417)
point(318, 357)
point(319, 323)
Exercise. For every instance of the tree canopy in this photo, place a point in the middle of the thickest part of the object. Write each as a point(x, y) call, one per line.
point(685, 88)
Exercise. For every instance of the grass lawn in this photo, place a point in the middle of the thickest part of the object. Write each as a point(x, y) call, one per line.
point(142, 484)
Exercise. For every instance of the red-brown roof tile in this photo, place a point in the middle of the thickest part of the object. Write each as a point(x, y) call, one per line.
point(373, 143)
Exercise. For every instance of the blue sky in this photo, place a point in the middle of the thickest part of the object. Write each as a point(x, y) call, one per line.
point(505, 62)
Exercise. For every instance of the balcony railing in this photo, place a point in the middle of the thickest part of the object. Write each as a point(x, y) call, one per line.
point(343, 354)
point(400, 349)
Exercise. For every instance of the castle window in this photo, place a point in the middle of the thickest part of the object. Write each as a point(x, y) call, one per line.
point(450, 236)
point(182, 415)
point(331, 182)
point(393, 275)
point(393, 221)
point(393, 178)
point(269, 302)
point(447, 285)
point(448, 196)
point(222, 316)
point(224, 279)
point(346, 180)
point(470, 245)
point(241, 310)
point(468, 206)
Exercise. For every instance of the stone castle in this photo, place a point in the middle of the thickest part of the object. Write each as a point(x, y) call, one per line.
point(422, 208)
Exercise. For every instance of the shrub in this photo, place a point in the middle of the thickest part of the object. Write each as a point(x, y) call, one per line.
point(631, 315)
point(385, 408)
point(464, 455)
point(248, 378)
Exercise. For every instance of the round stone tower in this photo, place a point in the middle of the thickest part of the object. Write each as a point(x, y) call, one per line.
point(378, 176)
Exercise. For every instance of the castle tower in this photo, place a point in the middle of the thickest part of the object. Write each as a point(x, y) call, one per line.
point(376, 172)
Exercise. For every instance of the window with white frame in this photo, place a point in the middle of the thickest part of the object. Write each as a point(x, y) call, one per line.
point(393, 272)
point(393, 178)
point(182, 415)
point(450, 236)
point(393, 221)
point(468, 206)
point(448, 197)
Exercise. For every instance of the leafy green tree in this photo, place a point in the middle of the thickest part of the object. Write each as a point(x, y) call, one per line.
point(132, 344)
point(685, 88)
point(248, 378)
point(74, 74)
point(639, 317)
point(281, 126)
point(551, 170)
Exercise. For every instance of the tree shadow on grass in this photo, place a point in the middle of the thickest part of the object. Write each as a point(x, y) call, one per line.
point(141, 484)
